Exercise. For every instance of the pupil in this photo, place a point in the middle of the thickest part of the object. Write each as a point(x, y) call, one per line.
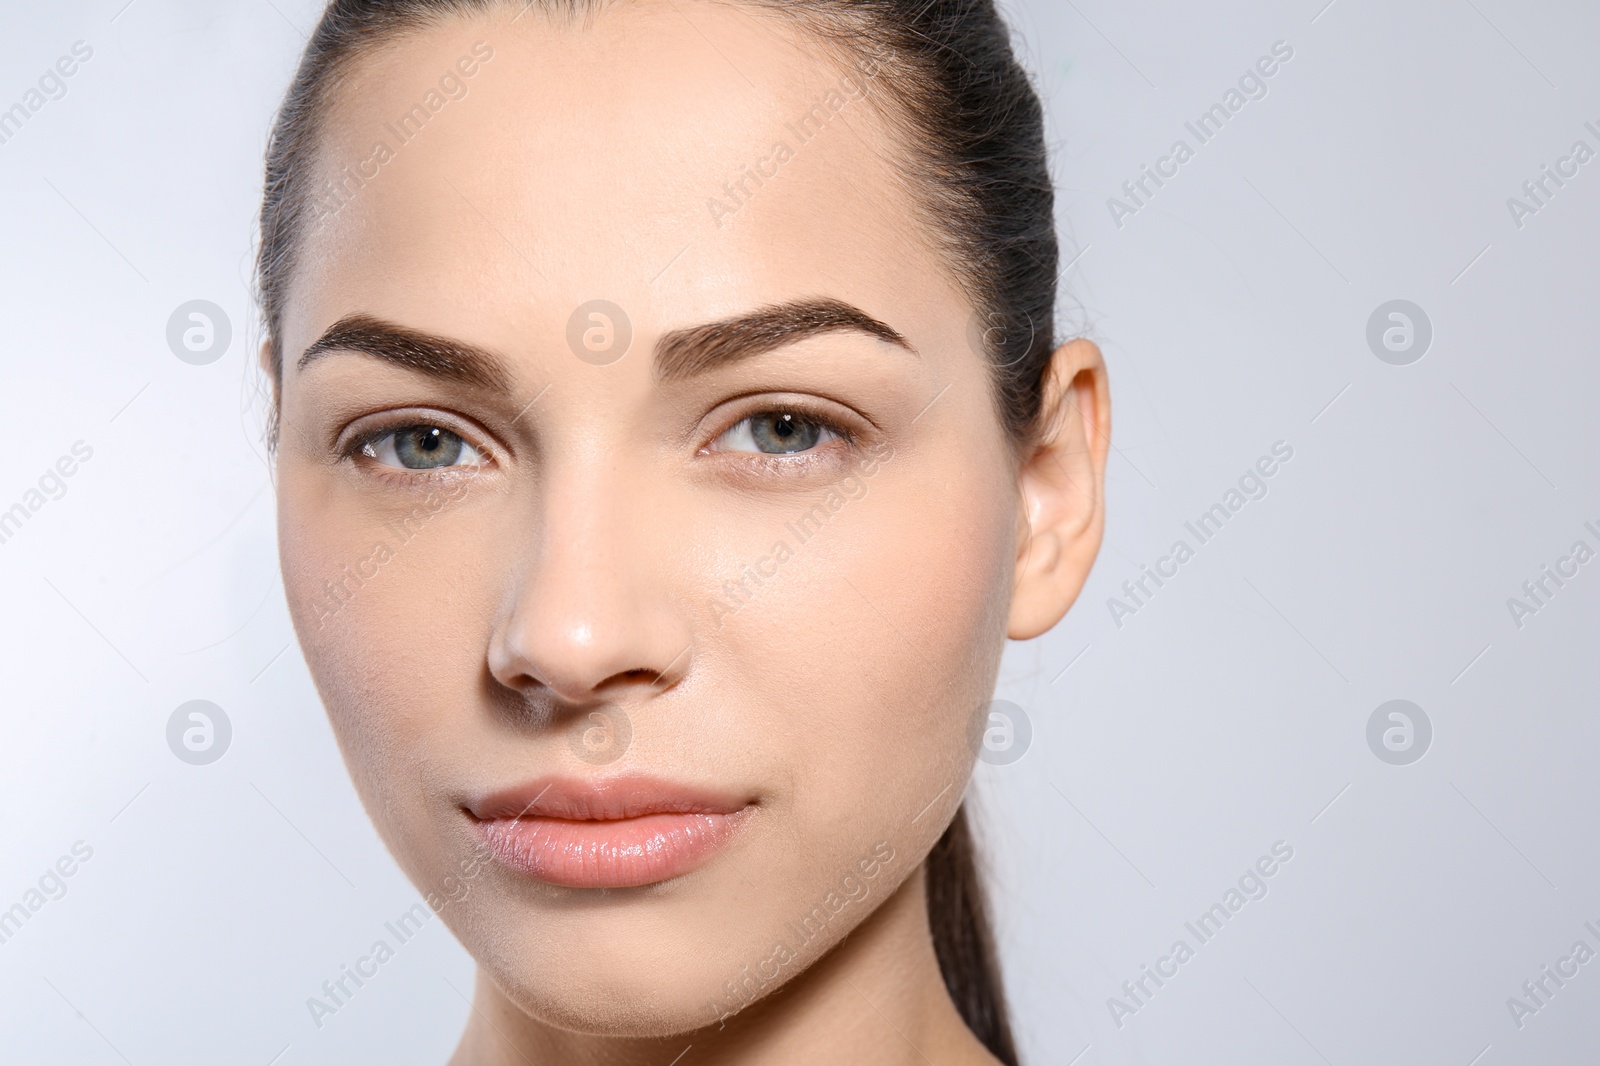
point(427, 447)
point(784, 434)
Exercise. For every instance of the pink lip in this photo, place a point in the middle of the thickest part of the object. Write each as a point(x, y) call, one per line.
point(620, 832)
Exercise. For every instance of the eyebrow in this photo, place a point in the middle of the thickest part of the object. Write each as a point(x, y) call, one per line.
point(427, 353)
point(679, 354)
point(696, 350)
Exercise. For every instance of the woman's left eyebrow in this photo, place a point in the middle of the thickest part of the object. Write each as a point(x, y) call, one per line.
point(695, 350)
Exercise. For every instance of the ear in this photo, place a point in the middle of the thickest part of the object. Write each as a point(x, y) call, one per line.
point(1061, 485)
point(264, 361)
point(274, 413)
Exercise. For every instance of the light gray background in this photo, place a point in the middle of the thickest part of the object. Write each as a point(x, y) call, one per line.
point(1168, 753)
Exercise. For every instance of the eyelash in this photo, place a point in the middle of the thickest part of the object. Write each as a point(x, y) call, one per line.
point(356, 451)
point(792, 463)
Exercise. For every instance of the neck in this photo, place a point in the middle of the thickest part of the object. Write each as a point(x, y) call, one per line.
point(877, 998)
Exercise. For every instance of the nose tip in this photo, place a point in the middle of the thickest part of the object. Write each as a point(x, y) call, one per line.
point(581, 662)
point(592, 610)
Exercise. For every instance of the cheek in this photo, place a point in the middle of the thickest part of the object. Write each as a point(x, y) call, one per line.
point(383, 631)
point(882, 636)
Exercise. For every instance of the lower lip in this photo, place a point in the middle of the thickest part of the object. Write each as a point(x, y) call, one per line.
point(625, 853)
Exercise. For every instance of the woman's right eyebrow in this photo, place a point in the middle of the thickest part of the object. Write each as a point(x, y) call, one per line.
point(428, 353)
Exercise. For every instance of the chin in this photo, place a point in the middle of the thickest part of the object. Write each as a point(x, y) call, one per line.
point(617, 977)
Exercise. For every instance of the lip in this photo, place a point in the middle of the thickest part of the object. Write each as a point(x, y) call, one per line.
point(618, 832)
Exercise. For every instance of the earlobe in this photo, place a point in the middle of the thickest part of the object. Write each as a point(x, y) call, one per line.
point(1061, 487)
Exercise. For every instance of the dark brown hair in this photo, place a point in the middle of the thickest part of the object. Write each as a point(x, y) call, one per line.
point(951, 91)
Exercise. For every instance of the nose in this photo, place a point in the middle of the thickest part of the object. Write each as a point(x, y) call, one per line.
point(590, 613)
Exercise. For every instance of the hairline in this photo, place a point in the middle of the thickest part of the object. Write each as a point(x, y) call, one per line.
point(911, 172)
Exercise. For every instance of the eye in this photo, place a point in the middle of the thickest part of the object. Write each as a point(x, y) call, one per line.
point(775, 433)
point(421, 448)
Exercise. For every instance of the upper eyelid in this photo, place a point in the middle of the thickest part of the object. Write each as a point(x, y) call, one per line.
point(367, 442)
point(832, 424)
point(811, 409)
point(484, 444)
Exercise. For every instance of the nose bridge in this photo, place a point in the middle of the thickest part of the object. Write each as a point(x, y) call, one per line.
point(582, 522)
point(588, 602)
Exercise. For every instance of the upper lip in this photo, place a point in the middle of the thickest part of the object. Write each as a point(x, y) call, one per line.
point(601, 800)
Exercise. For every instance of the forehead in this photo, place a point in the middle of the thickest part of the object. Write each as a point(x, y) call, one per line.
point(683, 160)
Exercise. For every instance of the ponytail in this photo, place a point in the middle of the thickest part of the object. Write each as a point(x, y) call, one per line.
point(958, 914)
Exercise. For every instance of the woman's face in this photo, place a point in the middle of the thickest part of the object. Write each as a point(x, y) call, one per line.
point(715, 609)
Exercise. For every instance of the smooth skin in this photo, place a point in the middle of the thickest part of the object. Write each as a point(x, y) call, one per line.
point(577, 555)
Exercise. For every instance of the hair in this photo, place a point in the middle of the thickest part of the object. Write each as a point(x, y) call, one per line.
point(976, 170)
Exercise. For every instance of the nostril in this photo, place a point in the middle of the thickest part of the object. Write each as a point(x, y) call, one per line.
point(582, 647)
point(528, 702)
point(676, 669)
